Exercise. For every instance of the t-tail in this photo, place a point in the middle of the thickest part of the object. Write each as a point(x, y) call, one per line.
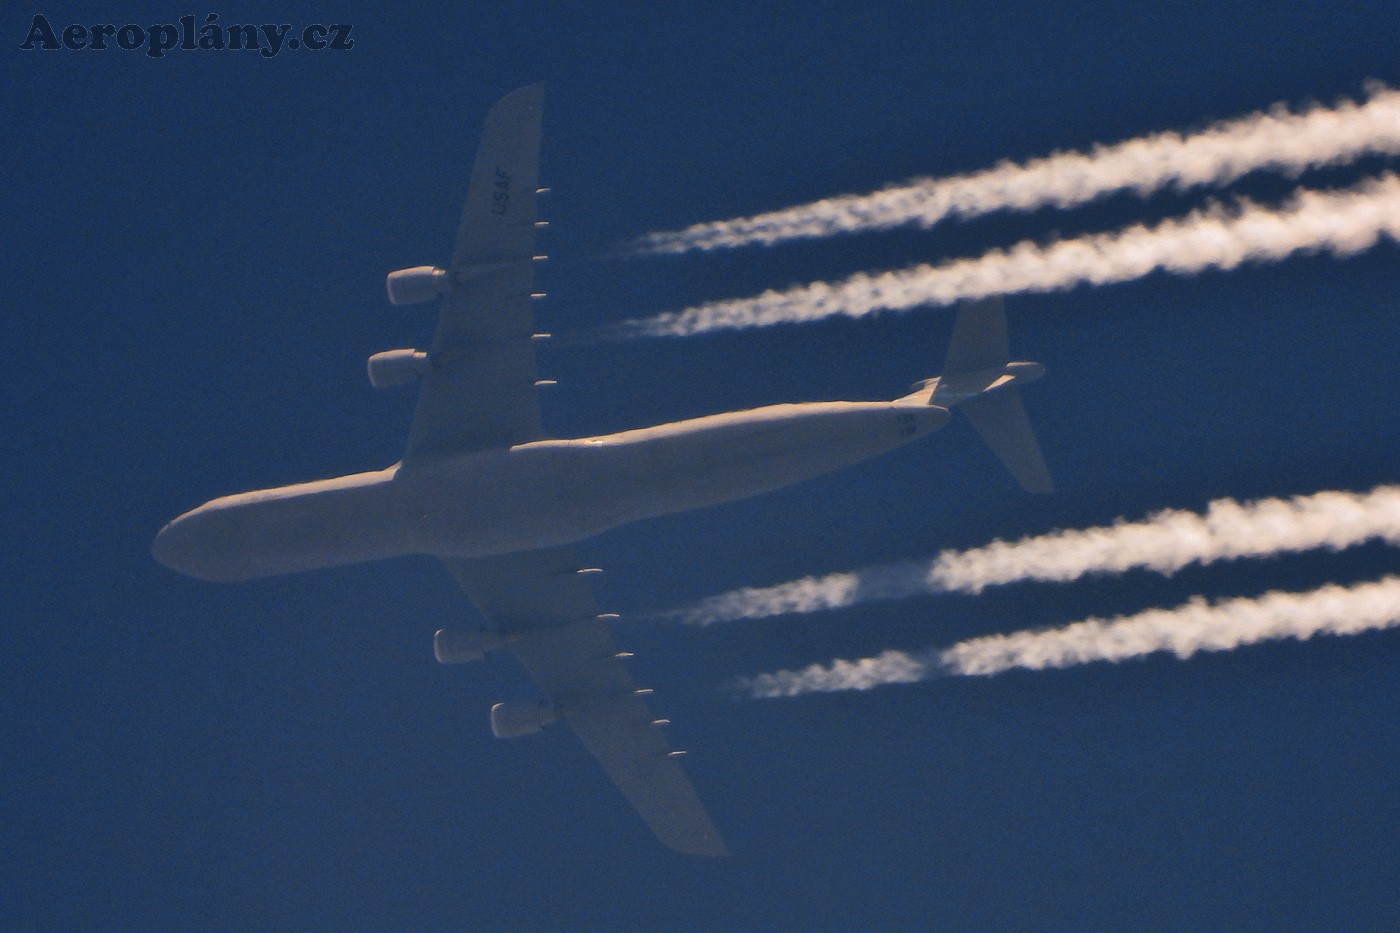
point(980, 379)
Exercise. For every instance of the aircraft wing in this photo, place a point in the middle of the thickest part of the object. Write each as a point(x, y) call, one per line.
point(480, 392)
point(542, 601)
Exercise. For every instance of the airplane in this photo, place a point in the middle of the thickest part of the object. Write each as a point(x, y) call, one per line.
point(483, 489)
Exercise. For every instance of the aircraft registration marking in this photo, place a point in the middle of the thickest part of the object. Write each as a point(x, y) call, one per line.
point(500, 198)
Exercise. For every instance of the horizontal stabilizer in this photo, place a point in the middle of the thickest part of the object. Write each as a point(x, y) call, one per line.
point(1000, 420)
point(977, 355)
point(979, 338)
point(980, 379)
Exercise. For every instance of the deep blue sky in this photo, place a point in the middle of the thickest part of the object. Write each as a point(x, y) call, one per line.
point(196, 253)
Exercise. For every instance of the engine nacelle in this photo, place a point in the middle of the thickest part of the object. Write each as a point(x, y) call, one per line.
point(397, 367)
point(521, 717)
point(416, 285)
point(461, 647)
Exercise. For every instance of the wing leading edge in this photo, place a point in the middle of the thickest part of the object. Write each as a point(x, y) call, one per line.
point(542, 600)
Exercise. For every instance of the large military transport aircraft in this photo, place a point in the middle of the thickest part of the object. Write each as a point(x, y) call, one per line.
point(481, 488)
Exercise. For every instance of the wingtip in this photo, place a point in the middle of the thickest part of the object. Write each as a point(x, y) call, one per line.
point(529, 96)
point(529, 90)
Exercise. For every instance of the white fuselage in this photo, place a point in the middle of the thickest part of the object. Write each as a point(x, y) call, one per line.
point(534, 495)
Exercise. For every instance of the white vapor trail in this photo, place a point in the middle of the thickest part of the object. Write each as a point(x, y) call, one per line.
point(1165, 542)
point(1195, 626)
point(1342, 222)
point(1277, 140)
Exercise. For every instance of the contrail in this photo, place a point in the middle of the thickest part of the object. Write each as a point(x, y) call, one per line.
point(1342, 222)
point(1278, 140)
point(1195, 626)
point(1165, 542)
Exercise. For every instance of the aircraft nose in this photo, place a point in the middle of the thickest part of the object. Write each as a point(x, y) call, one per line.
point(202, 544)
point(165, 548)
point(176, 546)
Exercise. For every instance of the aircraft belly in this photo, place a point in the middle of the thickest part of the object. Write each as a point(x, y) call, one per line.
point(534, 495)
point(690, 465)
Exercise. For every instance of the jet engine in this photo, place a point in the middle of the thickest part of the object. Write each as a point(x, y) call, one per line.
point(461, 647)
point(397, 367)
point(521, 717)
point(416, 285)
